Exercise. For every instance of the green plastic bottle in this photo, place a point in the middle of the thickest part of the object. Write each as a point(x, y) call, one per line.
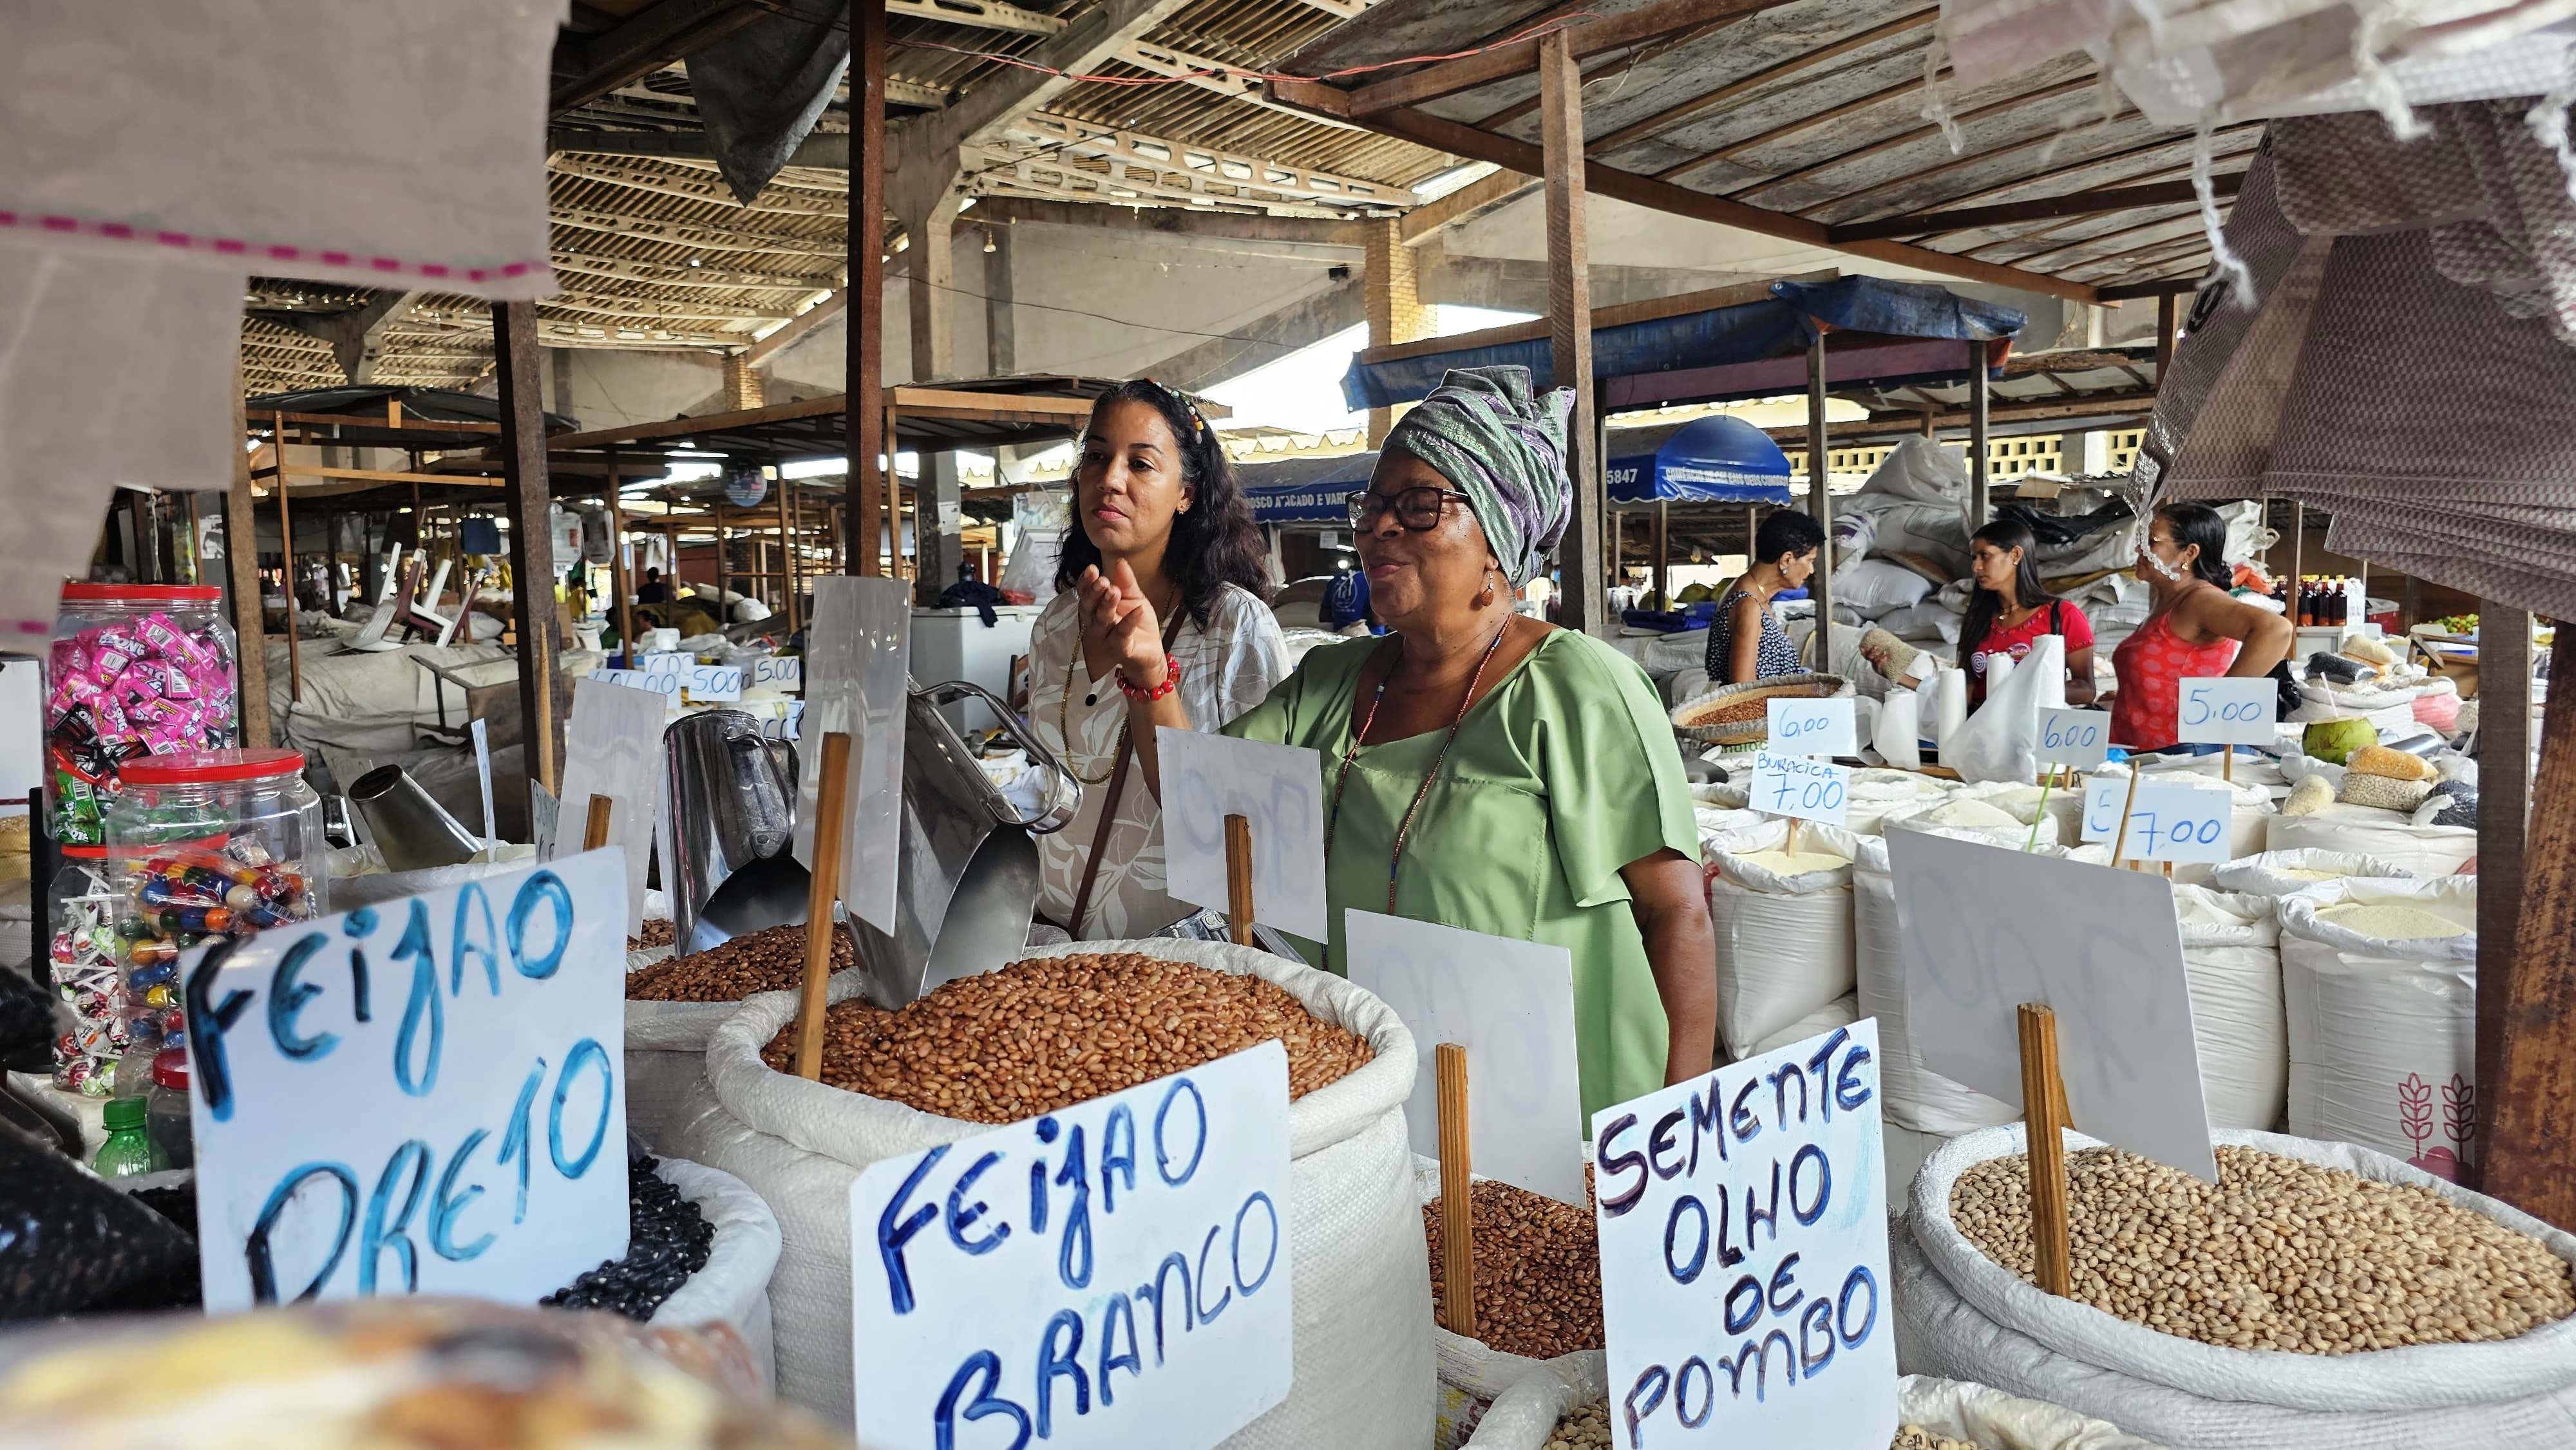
point(128, 1149)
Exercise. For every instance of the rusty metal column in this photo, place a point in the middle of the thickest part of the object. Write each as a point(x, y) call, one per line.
point(1979, 463)
point(2506, 1141)
point(525, 497)
point(865, 373)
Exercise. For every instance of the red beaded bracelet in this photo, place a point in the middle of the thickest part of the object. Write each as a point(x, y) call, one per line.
point(1171, 682)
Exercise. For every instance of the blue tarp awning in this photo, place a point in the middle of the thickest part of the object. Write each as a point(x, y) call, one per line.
point(1707, 460)
point(1703, 356)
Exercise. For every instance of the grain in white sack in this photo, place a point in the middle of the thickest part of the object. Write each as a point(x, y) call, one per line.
point(2391, 921)
point(2280, 1254)
point(1587, 1427)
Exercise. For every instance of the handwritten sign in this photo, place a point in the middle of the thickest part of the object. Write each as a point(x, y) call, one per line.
point(1744, 1283)
point(1280, 790)
point(1114, 1274)
point(713, 682)
point(860, 648)
point(613, 748)
point(783, 672)
point(1793, 785)
point(1511, 1005)
point(423, 1096)
point(2080, 738)
point(1986, 928)
point(666, 685)
point(668, 663)
point(1813, 727)
point(2228, 712)
point(2172, 820)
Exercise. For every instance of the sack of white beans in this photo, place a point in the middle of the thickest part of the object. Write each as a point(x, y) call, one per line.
point(2383, 1020)
point(2288, 873)
point(1783, 924)
point(1360, 1280)
point(2003, 811)
point(1961, 1315)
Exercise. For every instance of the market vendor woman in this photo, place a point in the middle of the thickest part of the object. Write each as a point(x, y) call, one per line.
point(2197, 629)
point(1489, 771)
point(1158, 621)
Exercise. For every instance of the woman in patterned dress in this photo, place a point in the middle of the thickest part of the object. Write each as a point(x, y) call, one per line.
point(1164, 563)
point(1746, 642)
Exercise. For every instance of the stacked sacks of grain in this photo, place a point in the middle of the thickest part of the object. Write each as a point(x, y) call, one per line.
point(1999, 810)
point(2232, 960)
point(1873, 793)
point(2380, 979)
point(1784, 927)
point(2289, 873)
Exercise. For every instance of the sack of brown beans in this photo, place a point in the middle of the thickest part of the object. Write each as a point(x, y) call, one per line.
point(2306, 1254)
point(1362, 1350)
point(1538, 1299)
point(674, 1004)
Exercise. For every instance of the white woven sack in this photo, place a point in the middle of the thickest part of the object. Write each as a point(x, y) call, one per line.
point(666, 1049)
point(2272, 872)
point(1524, 1417)
point(1916, 1096)
point(2369, 831)
point(733, 1287)
point(1843, 1011)
point(1362, 1283)
point(1961, 1315)
point(2231, 959)
point(1873, 792)
point(1986, 1417)
point(1784, 943)
point(2021, 802)
point(2383, 1034)
point(1474, 1375)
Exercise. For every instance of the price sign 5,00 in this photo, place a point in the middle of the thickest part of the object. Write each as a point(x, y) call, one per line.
point(2228, 712)
point(1793, 785)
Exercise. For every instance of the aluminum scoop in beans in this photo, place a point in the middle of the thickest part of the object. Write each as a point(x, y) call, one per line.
point(2280, 1254)
point(1041, 1035)
point(763, 961)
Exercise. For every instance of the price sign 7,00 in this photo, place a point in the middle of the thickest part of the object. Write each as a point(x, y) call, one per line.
point(1795, 785)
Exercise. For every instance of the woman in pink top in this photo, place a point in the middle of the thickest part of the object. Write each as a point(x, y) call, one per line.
point(2198, 629)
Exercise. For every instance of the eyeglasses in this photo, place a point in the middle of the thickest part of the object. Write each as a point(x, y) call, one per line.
point(1418, 509)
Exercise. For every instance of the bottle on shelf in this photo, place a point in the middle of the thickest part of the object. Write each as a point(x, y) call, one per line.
point(166, 1110)
point(128, 1149)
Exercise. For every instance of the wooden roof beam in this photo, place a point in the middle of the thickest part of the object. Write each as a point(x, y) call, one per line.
point(1665, 120)
point(2079, 203)
point(797, 326)
point(1648, 22)
point(981, 14)
point(2177, 286)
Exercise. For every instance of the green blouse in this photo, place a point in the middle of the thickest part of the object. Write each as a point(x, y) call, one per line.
point(1565, 773)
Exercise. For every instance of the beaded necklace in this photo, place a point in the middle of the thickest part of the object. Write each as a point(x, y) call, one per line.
point(1404, 830)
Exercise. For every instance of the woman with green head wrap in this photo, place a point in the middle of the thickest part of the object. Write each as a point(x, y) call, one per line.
point(1486, 770)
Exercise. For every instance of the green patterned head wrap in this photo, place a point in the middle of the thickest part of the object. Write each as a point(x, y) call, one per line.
point(1502, 444)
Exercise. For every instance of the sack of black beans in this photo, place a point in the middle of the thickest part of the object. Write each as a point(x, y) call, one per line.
point(2488, 1270)
point(1361, 1287)
point(733, 1286)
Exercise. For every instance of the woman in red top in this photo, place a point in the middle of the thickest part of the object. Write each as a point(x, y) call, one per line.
point(2198, 629)
point(2011, 611)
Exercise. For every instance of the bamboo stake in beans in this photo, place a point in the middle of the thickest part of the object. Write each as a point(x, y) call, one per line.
point(1238, 878)
point(2044, 1115)
point(819, 899)
point(594, 830)
point(1457, 1222)
point(2120, 846)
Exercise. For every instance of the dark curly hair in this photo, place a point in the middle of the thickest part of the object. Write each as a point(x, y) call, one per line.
point(1215, 543)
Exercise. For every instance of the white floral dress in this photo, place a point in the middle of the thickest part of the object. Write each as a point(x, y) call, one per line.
point(1226, 669)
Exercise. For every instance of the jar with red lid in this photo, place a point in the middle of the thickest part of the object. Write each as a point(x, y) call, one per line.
point(202, 844)
point(135, 669)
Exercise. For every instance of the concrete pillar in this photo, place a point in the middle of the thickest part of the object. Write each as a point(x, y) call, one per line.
point(743, 385)
point(1001, 329)
point(1393, 303)
point(939, 525)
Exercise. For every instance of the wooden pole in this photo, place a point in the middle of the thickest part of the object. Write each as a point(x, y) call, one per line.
point(1980, 390)
point(2043, 1099)
point(791, 523)
point(1238, 879)
point(2168, 308)
point(1586, 604)
point(2298, 550)
point(286, 547)
point(620, 578)
point(2505, 909)
point(594, 829)
point(241, 547)
point(893, 489)
point(524, 498)
point(2120, 844)
point(866, 320)
point(1457, 1196)
point(1820, 501)
point(819, 896)
point(1663, 553)
point(722, 614)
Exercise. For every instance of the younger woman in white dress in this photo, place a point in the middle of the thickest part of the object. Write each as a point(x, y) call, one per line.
point(1158, 620)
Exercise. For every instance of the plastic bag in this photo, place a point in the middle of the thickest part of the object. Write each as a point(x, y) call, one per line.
point(2001, 740)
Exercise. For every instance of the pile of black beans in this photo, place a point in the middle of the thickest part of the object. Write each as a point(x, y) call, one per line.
point(668, 1239)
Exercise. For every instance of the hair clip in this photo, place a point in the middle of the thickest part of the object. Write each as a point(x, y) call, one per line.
point(1177, 396)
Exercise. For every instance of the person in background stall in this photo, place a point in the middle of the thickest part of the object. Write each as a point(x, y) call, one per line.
point(1487, 770)
point(2197, 628)
point(653, 590)
point(1746, 642)
point(1158, 620)
point(2011, 611)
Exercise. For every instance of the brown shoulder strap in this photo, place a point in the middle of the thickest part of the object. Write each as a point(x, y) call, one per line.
point(1117, 789)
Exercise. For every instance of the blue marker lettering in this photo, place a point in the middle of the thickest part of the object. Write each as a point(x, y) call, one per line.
point(447, 1204)
point(1817, 1317)
point(1651, 1387)
point(963, 1215)
point(287, 996)
point(894, 1231)
point(1117, 1154)
point(1684, 1273)
point(1817, 1064)
point(1738, 1323)
point(1205, 1314)
point(1781, 1077)
point(1743, 1121)
point(547, 888)
point(358, 926)
point(207, 1023)
point(515, 1141)
point(1681, 1393)
point(1155, 1292)
point(586, 1051)
point(1758, 1356)
point(1859, 1278)
point(413, 1154)
point(1065, 1361)
point(263, 1263)
point(1755, 1215)
point(1824, 1184)
point(1705, 1116)
point(1163, 1150)
point(1786, 1277)
point(1659, 1142)
point(424, 1002)
point(1614, 1161)
point(1076, 1242)
point(1850, 1093)
point(943, 1421)
point(1134, 1359)
point(1270, 1260)
point(468, 897)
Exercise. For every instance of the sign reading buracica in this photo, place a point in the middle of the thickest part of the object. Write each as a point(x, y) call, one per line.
point(1743, 1220)
point(423, 1096)
point(1113, 1274)
point(1794, 785)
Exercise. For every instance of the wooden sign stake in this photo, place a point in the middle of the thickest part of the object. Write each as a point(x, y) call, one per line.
point(2227, 766)
point(1457, 1222)
point(594, 830)
point(2043, 1096)
point(1238, 879)
point(819, 898)
point(2120, 845)
point(1793, 835)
